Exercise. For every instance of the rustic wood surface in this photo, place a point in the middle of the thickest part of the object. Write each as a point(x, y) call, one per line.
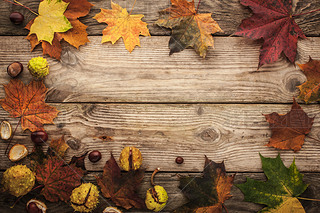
point(168, 106)
point(109, 73)
point(228, 14)
point(233, 133)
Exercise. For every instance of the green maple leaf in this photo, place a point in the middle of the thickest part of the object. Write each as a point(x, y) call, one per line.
point(280, 191)
point(50, 20)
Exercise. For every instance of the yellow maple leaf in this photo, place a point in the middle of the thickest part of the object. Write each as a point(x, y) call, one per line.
point(50, 20)
point(123, 25)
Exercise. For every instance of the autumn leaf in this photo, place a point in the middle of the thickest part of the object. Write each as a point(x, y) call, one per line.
point(206, 193)
point(58, 178)
point(58, 147)
point(309, 90)
point(50, 20)
point(76, 36)
point(121, 187)
point(272, 20)
point(123, 25)
point(27, 102)
point(189, 28)
point(279, 193)
point(289, 130)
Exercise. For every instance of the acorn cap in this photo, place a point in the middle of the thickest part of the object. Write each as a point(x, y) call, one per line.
point(39, 204)
point(5, 130)
point(17, 152)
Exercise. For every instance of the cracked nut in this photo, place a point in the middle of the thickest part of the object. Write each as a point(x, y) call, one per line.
point(17, 152)
point(130, 158)
point(36, 206)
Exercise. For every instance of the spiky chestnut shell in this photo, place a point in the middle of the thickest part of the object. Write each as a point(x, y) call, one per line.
point(38, 67)
point(78, 198)
point(159, 203)
point(130, 153)
point(18, 180)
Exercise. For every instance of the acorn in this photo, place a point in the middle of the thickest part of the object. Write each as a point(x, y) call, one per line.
point(130, 158)
point(156, 197)
point(36, 206)
point(5, 130)
point(17, 152)
point(14, 69)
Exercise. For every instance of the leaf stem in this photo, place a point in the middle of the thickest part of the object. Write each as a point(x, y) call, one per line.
point(152, 176)
point(312, 11)
point(14, 131)
point(311, 199)
point(198, 6)
point(132, 7)
point(225, 208)
point(19, 4)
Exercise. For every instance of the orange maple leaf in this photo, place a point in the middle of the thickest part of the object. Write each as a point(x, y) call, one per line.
point(76, 36)
point(309, 90)
point(28, 104)
point(189, 28)
point(123, 25)
point(289, 130)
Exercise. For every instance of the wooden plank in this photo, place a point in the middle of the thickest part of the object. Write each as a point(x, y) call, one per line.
point(176, 198)
point(233, 133)
point(228, 13)
point(109, 73)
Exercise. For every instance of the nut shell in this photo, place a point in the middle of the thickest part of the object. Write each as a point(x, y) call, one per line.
point(18, 152)
point(130, 158)
point(5, 130)
point(39, 204)
point(111, 210)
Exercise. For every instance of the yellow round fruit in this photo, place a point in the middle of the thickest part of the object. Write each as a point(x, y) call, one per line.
point(79, 194)
point(18, 180)
point(38, 67)
point(156, 198)
point(130, 158)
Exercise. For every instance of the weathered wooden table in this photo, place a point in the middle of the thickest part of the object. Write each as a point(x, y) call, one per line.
point(169, 106)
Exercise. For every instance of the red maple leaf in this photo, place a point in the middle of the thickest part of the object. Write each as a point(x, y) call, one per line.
point(58, 178)
point(289, 130)
point(272, 20)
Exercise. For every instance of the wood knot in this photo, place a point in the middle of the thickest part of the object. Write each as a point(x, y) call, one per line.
point(292, 81)
point(209, 134)
point(74, 143)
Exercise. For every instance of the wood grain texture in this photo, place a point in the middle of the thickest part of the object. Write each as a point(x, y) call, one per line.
point(109, 73)
point(176, 198)
point(230, 132)
point(228, 13)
